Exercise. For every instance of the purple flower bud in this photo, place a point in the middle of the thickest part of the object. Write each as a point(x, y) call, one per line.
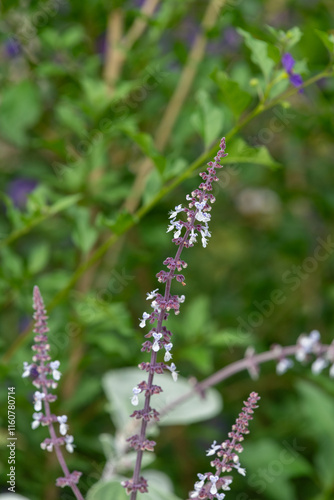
point(19, 189)
point(288, 63)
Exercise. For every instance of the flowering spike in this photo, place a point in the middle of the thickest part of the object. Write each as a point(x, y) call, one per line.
point(196, 218)
point(45, 375)
point(227, 456)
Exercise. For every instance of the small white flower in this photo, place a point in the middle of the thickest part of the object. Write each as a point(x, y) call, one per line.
point(193, 237)
point(54, 365)
point(199, 205)
point(157, 337)
point(220, 496)
point(306, 344)
point(173, 213)
point(134, 399)
point(226, 484)
point(283, 365)
point(318, 365)
point(37, 420)
point(213, 489)
point(152, 295)
point(26, 369)
point(168, 355)
point(63, 426)
point(38, 396)
point(69, 443)
point(213, 448)
point(202, 216)
point(181, 299)
point(241, 470)
point(205, 233)
point(170, 227)
point(172, 369)
point(155, 305)
point(48, 447)
point(145, 317)
point(199, 484)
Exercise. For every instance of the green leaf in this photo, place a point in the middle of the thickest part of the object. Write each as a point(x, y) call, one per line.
point(240, 152)
point(196, 316)
point(107, 489)
point(84, 234)
point(160, 488)
point(47, 212)
point(234, 97)
point(263, 54)
point(208, 119)
point(12, 496)
point(153, 186)
point(97, 95)
point(230, 337)
point(327, 39)
point(73, 36)
point(317, 408)
point(146, 144)
point(13, 269)
point(118, 224)
point(69, 117)
point(20, 109)
point(200, 357)
point(14, 214)
point(270, 466)
point(38, 257)
point(286, 38)
point(118, 386)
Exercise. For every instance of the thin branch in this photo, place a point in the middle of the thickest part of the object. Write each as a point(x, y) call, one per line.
point(118, 45)
point(114, 57)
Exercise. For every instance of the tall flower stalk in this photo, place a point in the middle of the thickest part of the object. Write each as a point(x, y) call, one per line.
point(227, 458)
point(45, 376)
point(186, 233)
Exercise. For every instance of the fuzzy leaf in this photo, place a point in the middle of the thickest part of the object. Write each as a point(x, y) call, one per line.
point(327, 39)
point(234, 97)
point(20, 109)
point(208, 119)
point(240, 152)
point(146, 144)
point(264, 55)
point(118, 386)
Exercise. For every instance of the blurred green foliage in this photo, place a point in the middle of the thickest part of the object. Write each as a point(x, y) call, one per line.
point(106, 114)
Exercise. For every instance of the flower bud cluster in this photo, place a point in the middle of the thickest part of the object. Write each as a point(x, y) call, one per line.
point(227, 459)
point(45, 375)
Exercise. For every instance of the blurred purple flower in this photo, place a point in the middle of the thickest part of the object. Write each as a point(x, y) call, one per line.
point(19, 189)
point(227, 44)
point(12, 47)
point(288, 63)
